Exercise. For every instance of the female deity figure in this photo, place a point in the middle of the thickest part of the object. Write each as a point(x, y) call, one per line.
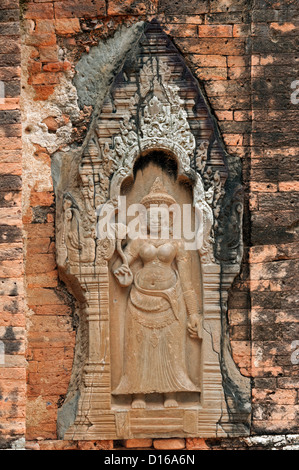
point(162, 307)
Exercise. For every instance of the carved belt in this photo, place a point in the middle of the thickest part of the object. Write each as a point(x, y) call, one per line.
point(153, 321)
point(170, 294)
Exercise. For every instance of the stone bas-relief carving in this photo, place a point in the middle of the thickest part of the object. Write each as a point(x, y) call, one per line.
point(162, 305)
point(153, 308)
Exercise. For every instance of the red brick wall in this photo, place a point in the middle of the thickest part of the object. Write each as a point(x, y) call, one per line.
point(12, 318)
point(245, 57)
point(274, 218)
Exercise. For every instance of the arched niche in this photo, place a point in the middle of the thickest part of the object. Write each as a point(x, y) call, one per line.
point(147, 168)
point(155, 120)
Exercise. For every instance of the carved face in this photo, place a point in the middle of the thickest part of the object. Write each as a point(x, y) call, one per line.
point(159, 221)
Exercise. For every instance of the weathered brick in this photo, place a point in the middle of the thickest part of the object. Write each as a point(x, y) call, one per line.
point(38, 40)
point(9, 60)
point(214, 31)
point(224, 115)
point(9, 4)
point(288, 383)
point(67, 27)
point(12, 88)
point(52, 309)
point(37, 231)
point(180, 31)
point(47, 280)
point(196, 444)
point(75, 9)
point(213, 73)
point(9, 104)
point(41, 263)
point(228, 6)
point(266, 253)
point(10, 29)
point(183, 8)
point(10, 234)
point(40, 245)
point(212, 46)
point(56, 339)
point(183, 19)
point(11, 130)
point(281, 201)
point(241, 30)
point(44, 198)
point(57, 66)
point(232, 17)
point(264, 187)
point(45, 78)
point(242, 115)
point(43, 296)
point(10, 117)
point(95, 445)
point(138, 443)
point(11, 182)
point(11, 251)
point(131, 7)
point(234, 102)
point(9, 15)
point(169, 444)
point(34, 10)
point(42, 92)
point(45, 25)
point(208, 60)
point(289, 186)
point(58, 445)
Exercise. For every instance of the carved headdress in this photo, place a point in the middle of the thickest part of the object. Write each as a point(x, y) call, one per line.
point(157, 195)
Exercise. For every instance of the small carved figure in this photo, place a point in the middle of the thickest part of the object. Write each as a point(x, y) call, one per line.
point(161, 308)
point(80, 243)
point(71, 232)
point(202, 155)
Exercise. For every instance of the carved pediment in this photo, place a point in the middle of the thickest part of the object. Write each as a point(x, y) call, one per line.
point(154, 107)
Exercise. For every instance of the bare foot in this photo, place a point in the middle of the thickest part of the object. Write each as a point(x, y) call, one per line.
point(138, 402)
point(170, 401)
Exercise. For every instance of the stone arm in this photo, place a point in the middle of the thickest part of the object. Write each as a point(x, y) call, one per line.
point(130, 252)
point(129, 255)
point(183, 260)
